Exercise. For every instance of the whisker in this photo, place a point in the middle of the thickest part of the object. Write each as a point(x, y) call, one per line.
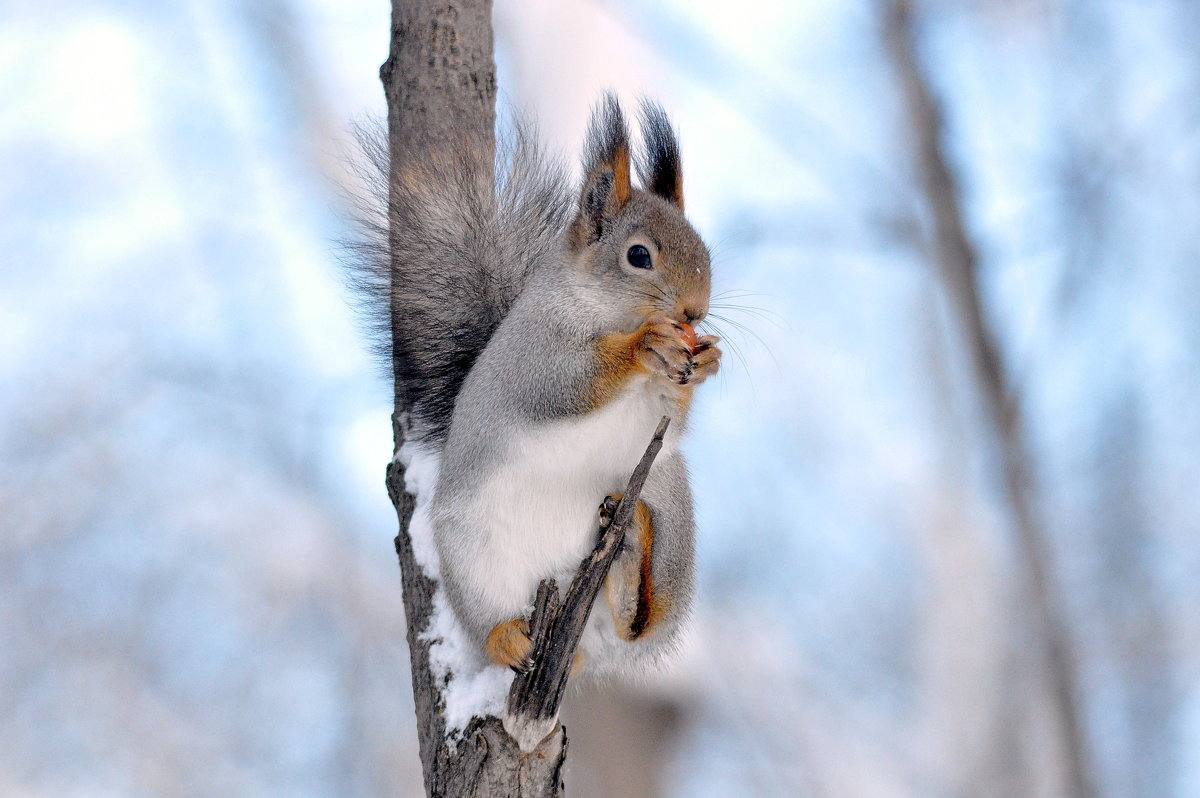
point(733, 322)
point(749, 331)
point(741, 293)
point(737, 325)
point(769, 316)
point(658, 289)
point(734, 348)
point(636, 293)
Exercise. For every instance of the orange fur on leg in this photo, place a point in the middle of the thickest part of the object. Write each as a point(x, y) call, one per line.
point(630, 585)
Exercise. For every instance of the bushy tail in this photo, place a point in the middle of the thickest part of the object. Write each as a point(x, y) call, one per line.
point(436, 271)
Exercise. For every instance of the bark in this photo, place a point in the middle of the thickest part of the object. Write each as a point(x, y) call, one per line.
point(440, 75)
point(957, 263)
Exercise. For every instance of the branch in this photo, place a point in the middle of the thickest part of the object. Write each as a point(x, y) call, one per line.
point(556, 627)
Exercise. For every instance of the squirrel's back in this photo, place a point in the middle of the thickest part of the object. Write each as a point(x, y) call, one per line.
point(449, 242)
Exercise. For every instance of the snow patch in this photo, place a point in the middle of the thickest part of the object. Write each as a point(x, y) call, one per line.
point(469, 689)
point(421, 467)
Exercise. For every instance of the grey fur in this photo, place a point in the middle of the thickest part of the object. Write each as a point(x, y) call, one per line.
point(439, 268)
point(498, 307)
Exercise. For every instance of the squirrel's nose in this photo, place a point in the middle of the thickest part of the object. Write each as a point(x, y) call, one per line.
point(694, 312)
point(690, 309)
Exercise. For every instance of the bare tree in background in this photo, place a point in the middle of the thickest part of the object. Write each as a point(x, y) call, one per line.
point(957, 264)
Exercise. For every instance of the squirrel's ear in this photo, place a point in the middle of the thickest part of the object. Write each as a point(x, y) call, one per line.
point(660, 170)
point(606, 183)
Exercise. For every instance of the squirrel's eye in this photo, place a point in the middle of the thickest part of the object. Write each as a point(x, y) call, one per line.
point(638, 257)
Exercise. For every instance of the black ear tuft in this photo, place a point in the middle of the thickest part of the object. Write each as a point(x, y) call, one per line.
point(659, 168)
point(606, 183)
point(607, 134)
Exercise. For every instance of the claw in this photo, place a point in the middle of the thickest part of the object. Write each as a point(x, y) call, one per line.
point(608, 510)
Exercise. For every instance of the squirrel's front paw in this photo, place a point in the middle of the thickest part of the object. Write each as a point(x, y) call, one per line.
point(706, 360)
point(669, 351)
point(508, 644)
point(665, 351)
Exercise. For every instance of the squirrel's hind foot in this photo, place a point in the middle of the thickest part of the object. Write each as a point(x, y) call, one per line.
point(508, 644)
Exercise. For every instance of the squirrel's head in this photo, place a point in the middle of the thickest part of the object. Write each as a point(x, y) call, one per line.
point(635, 241)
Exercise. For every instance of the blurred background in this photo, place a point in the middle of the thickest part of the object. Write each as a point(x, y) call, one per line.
point(946, 480)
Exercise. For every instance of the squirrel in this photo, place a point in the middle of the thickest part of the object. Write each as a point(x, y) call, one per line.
point(540, 334)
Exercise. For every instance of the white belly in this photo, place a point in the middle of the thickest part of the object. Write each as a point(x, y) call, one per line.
point(538, 512)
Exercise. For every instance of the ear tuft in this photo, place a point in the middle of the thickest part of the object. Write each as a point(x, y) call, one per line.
point(606, 182)
point(660, 169)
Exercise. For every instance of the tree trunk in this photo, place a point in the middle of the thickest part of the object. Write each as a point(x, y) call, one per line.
point(440, 83)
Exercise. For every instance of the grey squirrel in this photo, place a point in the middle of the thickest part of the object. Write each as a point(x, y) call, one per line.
point(540, 335)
